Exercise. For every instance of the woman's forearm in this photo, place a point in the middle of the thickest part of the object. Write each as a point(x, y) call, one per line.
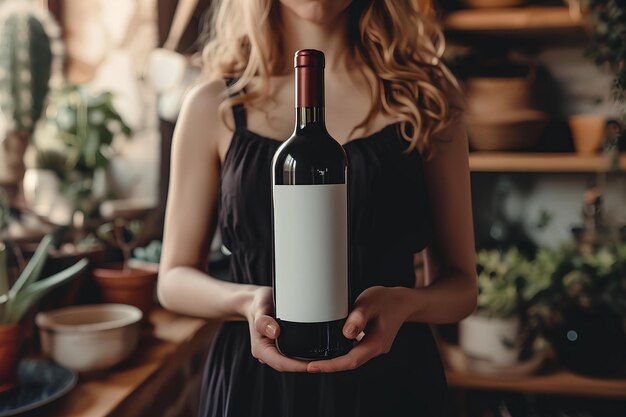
point(450, 298)
point(189, 291)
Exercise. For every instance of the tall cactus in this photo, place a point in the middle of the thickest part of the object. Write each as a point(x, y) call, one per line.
point(30, 51)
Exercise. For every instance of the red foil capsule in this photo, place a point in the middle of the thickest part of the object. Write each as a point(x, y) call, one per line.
point(309, 65)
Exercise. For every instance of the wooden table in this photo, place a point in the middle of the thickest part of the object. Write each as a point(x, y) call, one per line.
point(126, 389)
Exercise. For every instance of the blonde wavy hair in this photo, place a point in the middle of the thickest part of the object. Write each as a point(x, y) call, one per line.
point(411, 82)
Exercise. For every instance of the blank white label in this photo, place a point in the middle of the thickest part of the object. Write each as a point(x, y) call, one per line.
point(311, 252)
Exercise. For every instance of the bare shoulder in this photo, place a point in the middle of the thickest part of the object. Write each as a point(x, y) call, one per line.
point(200, 119)
point(204, 99)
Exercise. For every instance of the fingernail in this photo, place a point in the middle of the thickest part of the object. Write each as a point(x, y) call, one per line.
point(313, 370)
point(270, 330)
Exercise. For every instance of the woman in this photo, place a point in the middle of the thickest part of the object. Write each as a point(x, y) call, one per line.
point(391, 103)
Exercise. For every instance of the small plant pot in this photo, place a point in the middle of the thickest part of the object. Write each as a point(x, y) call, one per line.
point(492, 339)
point(588, 133)
point(132, 286)
point(10, 341)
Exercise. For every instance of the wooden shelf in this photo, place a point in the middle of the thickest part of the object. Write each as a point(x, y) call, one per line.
point(513, 19)
point(541, 162)
point(556, 383)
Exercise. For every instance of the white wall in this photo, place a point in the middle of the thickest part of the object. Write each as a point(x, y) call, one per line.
point(107, 45)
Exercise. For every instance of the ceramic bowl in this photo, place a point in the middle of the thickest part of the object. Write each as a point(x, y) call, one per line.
point(91, 337)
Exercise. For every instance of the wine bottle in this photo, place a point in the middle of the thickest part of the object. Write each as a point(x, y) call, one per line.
point(310, 226)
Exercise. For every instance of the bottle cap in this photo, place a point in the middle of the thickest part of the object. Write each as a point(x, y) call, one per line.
point(309, 58)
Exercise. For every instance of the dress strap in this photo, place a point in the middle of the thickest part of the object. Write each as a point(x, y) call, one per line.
point(239, 111)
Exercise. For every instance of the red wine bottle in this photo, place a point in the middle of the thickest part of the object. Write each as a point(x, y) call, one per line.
point(310, 226)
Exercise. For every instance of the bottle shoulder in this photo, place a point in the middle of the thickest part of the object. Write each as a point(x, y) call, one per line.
point(310, 160)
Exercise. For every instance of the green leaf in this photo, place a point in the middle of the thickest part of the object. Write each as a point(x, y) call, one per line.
point(32, 271)
point(92, 145)
point(33, 293)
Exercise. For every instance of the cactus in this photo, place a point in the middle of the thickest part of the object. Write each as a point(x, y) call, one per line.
point(30, 62)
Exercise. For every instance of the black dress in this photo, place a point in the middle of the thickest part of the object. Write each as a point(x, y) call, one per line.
point(390, 222)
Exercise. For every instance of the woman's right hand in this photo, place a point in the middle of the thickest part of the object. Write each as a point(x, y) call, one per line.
point(263, 333)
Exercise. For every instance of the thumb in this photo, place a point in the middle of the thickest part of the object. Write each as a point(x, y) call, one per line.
point(355, 323)
point(267, 326)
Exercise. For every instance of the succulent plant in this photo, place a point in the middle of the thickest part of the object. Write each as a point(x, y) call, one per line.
point(15, 301)
point(30, 62)
point(586, 280)
point(508, 281)
point(149, 253)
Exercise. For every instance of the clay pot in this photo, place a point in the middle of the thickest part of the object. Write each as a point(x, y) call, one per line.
point(588, 132)
point(503, 131)
point(10, 340)
point(494, 95)
point(133, 286)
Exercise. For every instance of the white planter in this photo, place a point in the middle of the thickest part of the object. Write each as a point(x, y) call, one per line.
point(42, 194)
point(492, 339)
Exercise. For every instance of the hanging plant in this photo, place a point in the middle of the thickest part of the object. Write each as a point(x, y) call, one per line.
point(608, 42)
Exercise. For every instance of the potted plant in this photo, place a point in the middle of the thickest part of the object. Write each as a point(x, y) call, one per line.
point(507, 283)
point(74, 148)
point(147, 257)
point(30, 62)
point(17, 299)
point(583, 310)
point(123, 283)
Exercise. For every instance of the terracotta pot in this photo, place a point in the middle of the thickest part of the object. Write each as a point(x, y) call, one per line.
point(133, 286)
point(10, 340)
point(588, 132)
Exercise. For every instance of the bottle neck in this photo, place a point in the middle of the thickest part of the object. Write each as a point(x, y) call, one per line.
point(307, 117)
point(309, 97)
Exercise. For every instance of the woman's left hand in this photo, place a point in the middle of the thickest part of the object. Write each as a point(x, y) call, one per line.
point(379, 312)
